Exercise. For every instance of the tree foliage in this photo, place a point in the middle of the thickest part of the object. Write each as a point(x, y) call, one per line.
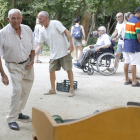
point(66, 10)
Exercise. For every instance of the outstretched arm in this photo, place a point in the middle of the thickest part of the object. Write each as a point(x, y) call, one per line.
point(114, 34)
point(67, 33)
point(38, 48)
point(4, 76)
point(83, 31)
point(103, 46)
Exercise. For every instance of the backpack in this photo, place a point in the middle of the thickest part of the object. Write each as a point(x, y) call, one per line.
point(77, 33)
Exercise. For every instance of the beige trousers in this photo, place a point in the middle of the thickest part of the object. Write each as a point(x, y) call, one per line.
point(22, 81)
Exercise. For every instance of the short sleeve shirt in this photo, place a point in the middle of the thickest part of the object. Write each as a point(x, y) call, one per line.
point(131, 43)
point(104, 39)
point(55, 38)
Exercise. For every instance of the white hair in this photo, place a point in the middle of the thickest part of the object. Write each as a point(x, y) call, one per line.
point(103, 28)
point(13, 11)
point(44, 13)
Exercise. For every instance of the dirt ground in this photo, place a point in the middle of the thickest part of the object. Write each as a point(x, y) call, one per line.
point(95, 92)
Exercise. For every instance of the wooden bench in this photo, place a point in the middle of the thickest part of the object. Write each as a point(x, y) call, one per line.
point(122, 123)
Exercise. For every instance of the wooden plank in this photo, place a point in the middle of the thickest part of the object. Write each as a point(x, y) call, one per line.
point(43, 124)
point(115, 124)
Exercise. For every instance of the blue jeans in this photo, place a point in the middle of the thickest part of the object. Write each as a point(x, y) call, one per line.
point(119, 48)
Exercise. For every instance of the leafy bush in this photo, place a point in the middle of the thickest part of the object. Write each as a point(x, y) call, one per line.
point(46, 47)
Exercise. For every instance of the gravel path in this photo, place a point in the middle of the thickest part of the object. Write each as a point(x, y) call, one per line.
point(94, 92)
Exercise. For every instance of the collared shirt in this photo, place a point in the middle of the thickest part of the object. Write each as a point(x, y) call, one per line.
point(55, 38)
point(131, 43)
point(12, 48)
point(104, 39)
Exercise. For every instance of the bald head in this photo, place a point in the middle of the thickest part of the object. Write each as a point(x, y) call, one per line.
point(44, 13)
point(119, 17)
point(12, 11)
point(102, 28)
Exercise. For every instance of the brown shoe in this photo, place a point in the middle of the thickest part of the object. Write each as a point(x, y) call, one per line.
point(50, 92)
point(71, 93)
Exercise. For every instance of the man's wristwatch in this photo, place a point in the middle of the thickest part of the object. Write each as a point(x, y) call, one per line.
point(32, 60)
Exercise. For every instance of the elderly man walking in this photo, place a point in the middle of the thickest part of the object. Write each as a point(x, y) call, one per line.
point(54, 34)
point(17, 48)
point(132, 47)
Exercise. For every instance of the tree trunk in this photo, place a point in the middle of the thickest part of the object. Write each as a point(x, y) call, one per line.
point(86, 17)
point(76, 15)
point(109, 25)
point(94, 16)
point(13, 3)
point(60, 11)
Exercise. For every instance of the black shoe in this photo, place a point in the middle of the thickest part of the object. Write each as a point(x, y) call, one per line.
point(13, 125)
point(23, 117)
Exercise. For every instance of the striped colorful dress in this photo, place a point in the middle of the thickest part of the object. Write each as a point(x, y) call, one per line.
point(131, 43)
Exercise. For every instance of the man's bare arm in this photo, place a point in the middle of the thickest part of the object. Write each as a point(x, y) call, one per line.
point(114, 34)
point(30, 64)
point(38, 48)
point(103, 46)
point(4, 76)
point(67, 33)
point(83, 31)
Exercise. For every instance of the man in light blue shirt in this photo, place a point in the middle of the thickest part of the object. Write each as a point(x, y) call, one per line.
point(103, 42)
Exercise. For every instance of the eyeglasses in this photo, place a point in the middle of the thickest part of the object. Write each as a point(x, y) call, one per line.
point(118, 16)
point(99, 30)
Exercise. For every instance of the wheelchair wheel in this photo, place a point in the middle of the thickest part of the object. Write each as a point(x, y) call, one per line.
point(90, 70)
point(93, 62)
point(85, 69)
point(105, 64)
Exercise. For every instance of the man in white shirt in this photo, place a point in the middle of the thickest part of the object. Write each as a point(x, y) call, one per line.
point(18, 50)
point(54, 34)
point(117, 36)
point(103, 42)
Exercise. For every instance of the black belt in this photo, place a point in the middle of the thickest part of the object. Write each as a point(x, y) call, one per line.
point(23, 62)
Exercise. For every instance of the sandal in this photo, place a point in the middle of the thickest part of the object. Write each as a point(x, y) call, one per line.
point(36, 61)
point(50, 92)
point(136, 85)
point(127, 83)
point(71, 93)
point(39, 61)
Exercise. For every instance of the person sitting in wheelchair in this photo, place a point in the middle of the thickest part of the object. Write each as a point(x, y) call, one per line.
point(103, 43)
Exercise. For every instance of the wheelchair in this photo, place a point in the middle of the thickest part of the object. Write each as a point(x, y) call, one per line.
point(102, 61)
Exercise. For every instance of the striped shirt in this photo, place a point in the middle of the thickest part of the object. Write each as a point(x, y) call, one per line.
point(131, 43)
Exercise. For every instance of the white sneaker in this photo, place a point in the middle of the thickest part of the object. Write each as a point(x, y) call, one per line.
point(71, 93)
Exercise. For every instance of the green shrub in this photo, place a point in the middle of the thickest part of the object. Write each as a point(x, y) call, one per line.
point(46, 47)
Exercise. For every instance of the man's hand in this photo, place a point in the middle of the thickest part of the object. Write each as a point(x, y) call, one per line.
point(91, 46)
point(114, 40)
point(70, 48)
point(97, 49)
point(30, 65)
point(5, 80)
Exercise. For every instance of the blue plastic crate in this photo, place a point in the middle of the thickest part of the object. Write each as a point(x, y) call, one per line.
point(65, 86)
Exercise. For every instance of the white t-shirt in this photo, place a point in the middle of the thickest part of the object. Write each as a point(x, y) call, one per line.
point(119, 27)
point(55, 38)
point(104, 39)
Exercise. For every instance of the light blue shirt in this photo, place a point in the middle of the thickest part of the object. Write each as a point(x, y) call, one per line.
point(104, 39)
